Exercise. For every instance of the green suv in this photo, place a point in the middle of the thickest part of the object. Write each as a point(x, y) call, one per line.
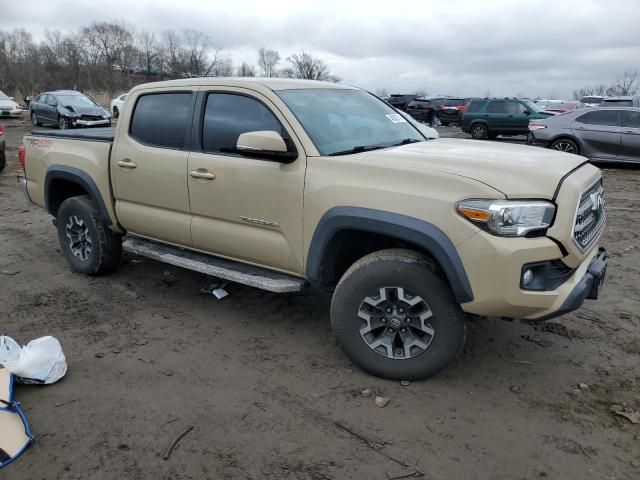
point(489, 117)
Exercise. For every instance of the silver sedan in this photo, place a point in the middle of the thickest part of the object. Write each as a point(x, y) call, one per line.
point(602, 134)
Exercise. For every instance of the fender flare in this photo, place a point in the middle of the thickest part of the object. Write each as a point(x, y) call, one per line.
point(398, 226)
point(71, 174)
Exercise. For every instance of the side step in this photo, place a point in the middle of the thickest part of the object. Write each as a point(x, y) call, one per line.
point(216, 267)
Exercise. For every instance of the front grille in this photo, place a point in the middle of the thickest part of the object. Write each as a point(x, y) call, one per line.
point(91, 117)
point(590, 216)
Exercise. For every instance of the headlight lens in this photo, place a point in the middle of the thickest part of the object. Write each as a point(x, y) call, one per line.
point(508, 218)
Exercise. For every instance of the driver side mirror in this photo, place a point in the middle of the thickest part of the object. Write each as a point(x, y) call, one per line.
point(527, 112)
point(265, 144)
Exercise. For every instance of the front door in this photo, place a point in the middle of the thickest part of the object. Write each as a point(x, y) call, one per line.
point(599, 133)
point(630, 136)
point(244, 208)
point(149, 166)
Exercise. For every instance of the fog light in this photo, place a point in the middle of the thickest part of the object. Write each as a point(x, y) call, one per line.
point(527, 276)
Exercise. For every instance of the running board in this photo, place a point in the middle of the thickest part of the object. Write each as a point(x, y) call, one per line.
point(214, 266)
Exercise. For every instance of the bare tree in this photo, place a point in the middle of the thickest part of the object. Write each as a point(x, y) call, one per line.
point(196, 47)
point(268, 62)
point(625, 84)
point(149, 50)
point(173, 52)
point(109, 39)
point(306, 66)
point(246, 70)
point(588, 90)
point(420, 93)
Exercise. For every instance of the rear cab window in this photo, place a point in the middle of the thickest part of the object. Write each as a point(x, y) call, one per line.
point(162, 119)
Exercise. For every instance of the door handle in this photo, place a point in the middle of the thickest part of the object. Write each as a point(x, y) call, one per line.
point(127, 163)
point(203, 174)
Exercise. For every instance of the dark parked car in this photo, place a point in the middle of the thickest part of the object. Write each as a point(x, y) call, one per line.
point(425, 109)
point(605, 133)
point(67, 109)
point(3, 158)
point(451, 110)
point(624, 101)
point(489, 117)
point(400, 101)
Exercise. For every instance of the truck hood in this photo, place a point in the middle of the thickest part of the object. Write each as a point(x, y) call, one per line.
point(518, 171)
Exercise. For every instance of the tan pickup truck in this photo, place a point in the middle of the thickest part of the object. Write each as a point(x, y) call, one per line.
point(280, 184)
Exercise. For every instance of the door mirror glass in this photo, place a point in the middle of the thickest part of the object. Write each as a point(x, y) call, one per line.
point(264, 144)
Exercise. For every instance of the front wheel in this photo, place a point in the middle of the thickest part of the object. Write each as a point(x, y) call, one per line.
point(34, 119)
point(395, 317)
point(88, 244)
point(565, 145)
point(479, 131)
point(63, 123)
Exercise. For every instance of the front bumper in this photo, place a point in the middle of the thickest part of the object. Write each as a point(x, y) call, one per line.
point(536, 142)
point(90, 123)
point(11, 113)
point(587, 288)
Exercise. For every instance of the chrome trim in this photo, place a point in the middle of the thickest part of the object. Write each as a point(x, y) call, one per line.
point(90, 123)
point(22, 186)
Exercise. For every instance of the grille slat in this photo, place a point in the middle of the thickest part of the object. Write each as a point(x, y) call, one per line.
point(590, 215)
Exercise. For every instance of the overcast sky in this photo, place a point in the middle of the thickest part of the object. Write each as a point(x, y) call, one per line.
point(458, 47)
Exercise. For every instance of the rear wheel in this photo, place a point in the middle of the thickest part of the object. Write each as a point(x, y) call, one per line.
point(479, 131)
point(86, 241)
point(565, 145)
point(395, 317)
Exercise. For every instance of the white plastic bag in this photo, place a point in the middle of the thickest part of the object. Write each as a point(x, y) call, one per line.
point(40, 361)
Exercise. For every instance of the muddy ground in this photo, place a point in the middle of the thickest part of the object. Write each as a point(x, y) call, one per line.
point(270, 395)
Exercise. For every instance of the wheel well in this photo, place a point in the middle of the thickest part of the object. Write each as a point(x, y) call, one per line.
point(567, 137)
point(59, 190)
point(348, 246)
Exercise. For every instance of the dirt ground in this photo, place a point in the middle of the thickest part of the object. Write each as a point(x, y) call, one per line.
point(269, 394)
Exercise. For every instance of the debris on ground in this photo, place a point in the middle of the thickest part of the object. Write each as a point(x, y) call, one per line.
point(366, 392)
point(9, 272)
point(215, 289)
point(583, 386)
point(625, 315)
point(381, 402)
point(405, 383)
point(633, 417)
point(169, 278)
point(175, 442)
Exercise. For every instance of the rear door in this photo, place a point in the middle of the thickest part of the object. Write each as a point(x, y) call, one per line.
point(630, 136)
point(244, 208)
point(599, 133)
point(47, 109)
point(149, 165)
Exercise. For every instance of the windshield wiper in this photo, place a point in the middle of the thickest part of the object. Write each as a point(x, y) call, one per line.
point(358, 149)
point(406, 141)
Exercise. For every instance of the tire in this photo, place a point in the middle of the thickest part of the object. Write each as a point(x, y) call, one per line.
point(78, 216)
point(116, 112)
point(479, 131)
point(34, 119)
point(565, 145)
point(3, 161)
point(412, 277)
point(63, 123)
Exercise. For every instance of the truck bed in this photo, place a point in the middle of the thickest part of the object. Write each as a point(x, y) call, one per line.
point(96, 134)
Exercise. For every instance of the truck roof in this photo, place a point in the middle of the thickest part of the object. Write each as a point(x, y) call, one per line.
point(249, 82)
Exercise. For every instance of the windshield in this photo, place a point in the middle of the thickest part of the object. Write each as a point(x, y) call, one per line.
point(453, 102)
point(3, 96)
point(343, 121)
point(556, 105)
point(591, 99)
point(75, 101)
point(533, 106)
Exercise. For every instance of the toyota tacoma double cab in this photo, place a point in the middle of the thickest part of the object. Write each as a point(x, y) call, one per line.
point(283, 184)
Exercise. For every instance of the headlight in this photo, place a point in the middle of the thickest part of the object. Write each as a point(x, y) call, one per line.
point(508, 218)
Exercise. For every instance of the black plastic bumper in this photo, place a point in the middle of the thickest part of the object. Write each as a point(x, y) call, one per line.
point(587, 288)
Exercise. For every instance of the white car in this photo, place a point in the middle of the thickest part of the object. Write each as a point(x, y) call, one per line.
point(9, 108)
point(116, 105)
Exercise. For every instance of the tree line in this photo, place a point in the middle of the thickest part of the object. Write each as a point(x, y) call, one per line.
point(625, 84)
point(111, 57)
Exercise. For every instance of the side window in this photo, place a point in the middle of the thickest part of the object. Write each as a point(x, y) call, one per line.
point(631, 118)
point(228, 115)
point(475, 106)
point(51, 100)
point(610, 118)
point(161, 119)
point(497, 106)
point(515, 108)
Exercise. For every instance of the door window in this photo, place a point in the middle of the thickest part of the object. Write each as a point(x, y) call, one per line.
point(515, 108)
point(631, 119)
point(610, 118)
point(229, 115)
point(497, 106)
point(161, 119)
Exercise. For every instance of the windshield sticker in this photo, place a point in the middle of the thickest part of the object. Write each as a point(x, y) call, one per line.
point(396, 118)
